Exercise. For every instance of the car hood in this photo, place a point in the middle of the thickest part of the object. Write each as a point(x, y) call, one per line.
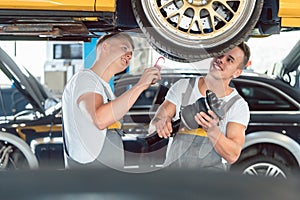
point(24, 81)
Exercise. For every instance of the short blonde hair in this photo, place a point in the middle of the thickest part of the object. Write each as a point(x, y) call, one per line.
point(119, 35)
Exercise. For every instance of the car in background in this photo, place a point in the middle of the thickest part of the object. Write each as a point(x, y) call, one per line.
point(30, 134)
point(11, 100)
point(182, 30)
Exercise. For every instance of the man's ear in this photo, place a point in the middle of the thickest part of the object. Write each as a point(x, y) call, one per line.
point(249, 63)
point(237, 73)
point(104, 46)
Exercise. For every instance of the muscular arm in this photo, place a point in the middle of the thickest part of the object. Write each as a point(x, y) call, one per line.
point(162, 119)
point(105, 114)
point(229, 146)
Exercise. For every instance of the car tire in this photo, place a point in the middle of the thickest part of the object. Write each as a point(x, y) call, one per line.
point(15, 153)
point(262, 166)
point(183, 42)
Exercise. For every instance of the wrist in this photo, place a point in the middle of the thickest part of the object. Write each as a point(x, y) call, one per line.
point(155, 120)
point(214, 132)
point(139, 87)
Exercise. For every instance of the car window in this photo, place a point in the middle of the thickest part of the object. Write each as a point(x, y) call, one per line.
point(261, 98)
point(146, 99)
point(11, 100)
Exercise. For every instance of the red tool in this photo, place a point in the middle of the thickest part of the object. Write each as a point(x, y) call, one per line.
point(157, 64)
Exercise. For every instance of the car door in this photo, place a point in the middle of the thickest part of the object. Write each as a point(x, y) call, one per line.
point(272, 109)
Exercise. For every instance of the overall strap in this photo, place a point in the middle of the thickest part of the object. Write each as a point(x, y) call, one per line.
point(118, 124)
point(231, 101)
point(109, 97)
point(187, 94)
point(63, 136)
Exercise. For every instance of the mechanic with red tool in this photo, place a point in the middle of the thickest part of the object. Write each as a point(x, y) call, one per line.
point(91, 110)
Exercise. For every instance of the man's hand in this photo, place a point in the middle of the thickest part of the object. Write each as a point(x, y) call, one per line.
point(162, 121)
point(163, 127)
point(150, 76)
point(207, 121)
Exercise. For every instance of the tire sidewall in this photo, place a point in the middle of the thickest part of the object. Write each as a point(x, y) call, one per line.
point(183, 54)
point(22, 146)
point(250, 162)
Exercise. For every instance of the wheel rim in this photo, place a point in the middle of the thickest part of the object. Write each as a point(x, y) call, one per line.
point(198, 22)
point(264, 169)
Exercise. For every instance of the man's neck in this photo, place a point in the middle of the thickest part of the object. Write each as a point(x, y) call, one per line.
point(102, 71)
point(218, 86)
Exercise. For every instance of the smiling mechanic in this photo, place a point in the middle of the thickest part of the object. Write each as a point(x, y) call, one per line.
point(216, 140)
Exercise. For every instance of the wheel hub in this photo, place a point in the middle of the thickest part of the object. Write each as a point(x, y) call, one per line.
point(191, 30)
point(264, 169)
point(198, 2)
point(197, 18)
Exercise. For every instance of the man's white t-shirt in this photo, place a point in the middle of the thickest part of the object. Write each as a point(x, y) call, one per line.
point(238, 112)
point(83, 139)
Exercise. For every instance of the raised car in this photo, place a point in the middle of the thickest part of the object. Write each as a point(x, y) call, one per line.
point(182, 30)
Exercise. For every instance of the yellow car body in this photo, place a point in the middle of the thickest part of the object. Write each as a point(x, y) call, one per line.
point(289, 11)
point(67, 5)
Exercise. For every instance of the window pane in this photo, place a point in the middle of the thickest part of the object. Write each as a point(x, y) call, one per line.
point(261, 98)
point(67, 51)
point(11, 100)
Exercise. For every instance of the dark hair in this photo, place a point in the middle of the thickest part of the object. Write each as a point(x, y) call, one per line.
point(245, 48)
point(120, 35)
